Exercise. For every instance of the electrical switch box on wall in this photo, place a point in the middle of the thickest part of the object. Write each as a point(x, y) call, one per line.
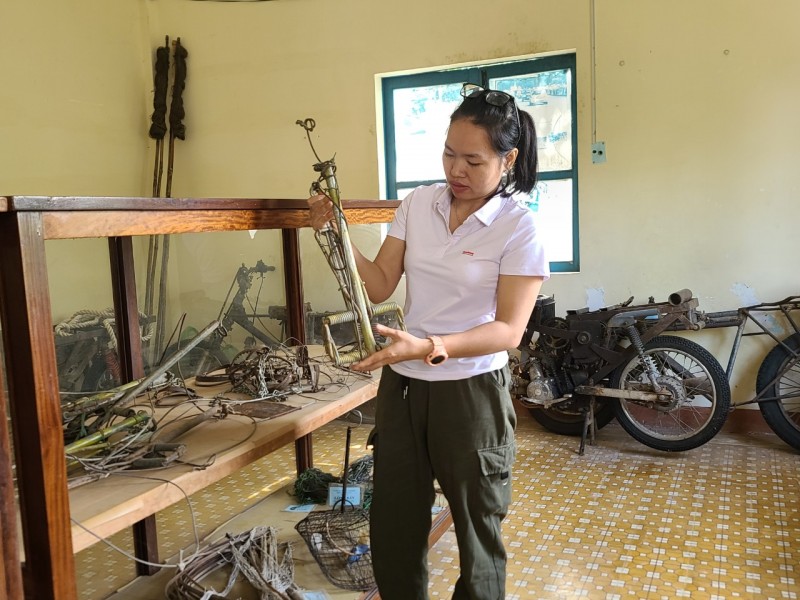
point(599, 152)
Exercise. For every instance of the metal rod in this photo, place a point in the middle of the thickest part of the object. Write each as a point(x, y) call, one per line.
point(346, 467)
point(147, 381)
point(103, 434)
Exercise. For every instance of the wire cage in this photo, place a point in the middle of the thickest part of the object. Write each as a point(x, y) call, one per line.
point(338, 539)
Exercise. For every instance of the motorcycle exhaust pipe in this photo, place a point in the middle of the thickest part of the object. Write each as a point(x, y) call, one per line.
point(680, 297)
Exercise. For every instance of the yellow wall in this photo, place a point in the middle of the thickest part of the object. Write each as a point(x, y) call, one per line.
point(696, 102)
point(74, 79)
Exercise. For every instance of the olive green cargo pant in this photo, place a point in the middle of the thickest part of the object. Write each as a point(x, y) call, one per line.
point(460, 433)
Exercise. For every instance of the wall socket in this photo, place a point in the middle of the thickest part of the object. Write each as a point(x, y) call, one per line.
point(599, 152)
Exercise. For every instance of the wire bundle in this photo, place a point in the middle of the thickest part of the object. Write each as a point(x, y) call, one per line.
point(254, 555)
point(312, 484)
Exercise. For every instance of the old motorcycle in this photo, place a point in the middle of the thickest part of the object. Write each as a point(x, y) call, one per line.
point(778, 378)
point(578, 372)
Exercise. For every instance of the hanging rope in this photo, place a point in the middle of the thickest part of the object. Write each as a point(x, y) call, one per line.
point(87, 318)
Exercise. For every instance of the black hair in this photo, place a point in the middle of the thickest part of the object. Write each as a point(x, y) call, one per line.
point(505, 134)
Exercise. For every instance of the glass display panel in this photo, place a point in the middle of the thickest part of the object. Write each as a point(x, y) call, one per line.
point(235, 278)
point(82, 304)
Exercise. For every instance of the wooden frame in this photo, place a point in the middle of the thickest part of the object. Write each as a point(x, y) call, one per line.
point(25, 309)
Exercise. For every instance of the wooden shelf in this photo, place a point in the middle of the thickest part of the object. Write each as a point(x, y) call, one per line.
point(109, 505)
point(26, 222)
point(73, 217)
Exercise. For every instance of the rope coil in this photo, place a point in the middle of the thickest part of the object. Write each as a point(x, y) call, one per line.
point(264, 563)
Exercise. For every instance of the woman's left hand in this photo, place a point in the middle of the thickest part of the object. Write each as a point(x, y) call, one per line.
point(403, 346)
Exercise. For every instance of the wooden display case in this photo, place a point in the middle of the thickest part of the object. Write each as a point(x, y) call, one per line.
point(48, 536)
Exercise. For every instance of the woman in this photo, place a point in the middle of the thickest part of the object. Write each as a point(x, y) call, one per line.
point(474, 265)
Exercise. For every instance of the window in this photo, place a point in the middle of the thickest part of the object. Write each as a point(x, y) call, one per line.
point(416, 112)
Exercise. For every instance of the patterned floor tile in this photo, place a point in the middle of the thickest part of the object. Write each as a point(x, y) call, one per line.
point(620, 522)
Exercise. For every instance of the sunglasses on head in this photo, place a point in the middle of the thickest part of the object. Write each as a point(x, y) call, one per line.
point(493, 97)
point(471, 91)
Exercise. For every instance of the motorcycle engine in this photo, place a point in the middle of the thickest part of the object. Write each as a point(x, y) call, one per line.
point(531, 386)
point(540, 388)
point(556, 356)
point(548, 369)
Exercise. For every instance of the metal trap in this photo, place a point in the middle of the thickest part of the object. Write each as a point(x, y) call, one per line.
point(338, 539)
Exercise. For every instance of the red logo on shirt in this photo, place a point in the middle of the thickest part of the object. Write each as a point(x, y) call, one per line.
point(468, 252)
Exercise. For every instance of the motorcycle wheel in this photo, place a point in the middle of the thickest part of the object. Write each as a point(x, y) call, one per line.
point(701, 390)
point(571, 423)
point(783, 416)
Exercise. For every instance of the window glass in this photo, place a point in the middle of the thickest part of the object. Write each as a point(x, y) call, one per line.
point(547, 97)
point(552, 202)
point(421, 116)
point(403, 192)
point(417, 110)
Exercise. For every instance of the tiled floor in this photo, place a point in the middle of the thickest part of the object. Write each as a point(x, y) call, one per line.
point(624, 521)
point(621, 521)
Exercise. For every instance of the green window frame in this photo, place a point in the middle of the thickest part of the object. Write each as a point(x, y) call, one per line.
point(416, 109)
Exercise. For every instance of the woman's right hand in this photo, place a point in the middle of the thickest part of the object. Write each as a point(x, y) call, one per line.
point(320, 211)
